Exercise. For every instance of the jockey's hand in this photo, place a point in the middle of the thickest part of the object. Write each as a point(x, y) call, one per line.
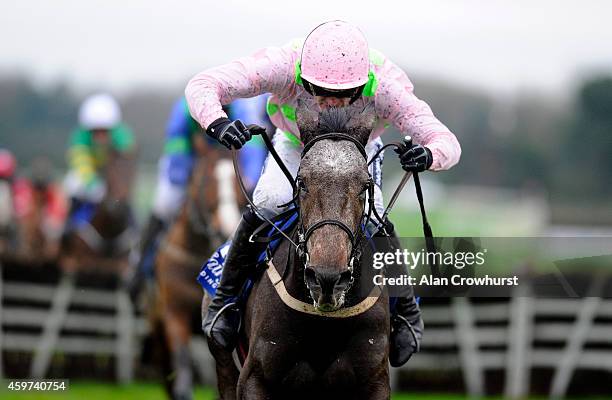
point(231, 134)
point(416, 158)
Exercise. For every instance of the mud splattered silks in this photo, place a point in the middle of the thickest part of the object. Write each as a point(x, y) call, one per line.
point(275, 69)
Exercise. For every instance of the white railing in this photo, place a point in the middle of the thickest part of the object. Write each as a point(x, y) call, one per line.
point(481, 336)
point(507, 336)
point(107, 327)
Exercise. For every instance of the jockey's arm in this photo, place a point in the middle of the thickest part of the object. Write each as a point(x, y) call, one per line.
point(123, 139)
point(179, 130)
point(270, 69)
point(397, 103)
point(177, 159)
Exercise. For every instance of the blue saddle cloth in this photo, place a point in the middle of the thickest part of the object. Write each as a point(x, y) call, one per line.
point(210, 273)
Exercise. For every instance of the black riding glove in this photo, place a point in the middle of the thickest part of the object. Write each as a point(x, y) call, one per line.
point(229, 133)
point(416, 158)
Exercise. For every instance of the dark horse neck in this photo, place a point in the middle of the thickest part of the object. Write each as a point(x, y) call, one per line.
point(111, 218)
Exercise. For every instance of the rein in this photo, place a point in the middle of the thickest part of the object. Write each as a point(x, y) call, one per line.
point(427, 232)
point(256, 209)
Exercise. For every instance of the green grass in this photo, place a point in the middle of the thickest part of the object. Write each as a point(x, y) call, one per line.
point(480, 222)
point(460, 397)
point(83, 390)
point(103, 391)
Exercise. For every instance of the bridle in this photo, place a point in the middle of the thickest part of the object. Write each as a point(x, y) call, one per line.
point(355, 237)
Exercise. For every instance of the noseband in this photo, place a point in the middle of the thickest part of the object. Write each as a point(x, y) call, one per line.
point(355, 237)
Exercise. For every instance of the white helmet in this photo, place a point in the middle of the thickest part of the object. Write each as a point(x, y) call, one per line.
point(99, 111)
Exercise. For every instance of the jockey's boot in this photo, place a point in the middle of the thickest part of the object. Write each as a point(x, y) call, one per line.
point(406, 322)
point(144, 270)
point(406, 330)
point(223, 318)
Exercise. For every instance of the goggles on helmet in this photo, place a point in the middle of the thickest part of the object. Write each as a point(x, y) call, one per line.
point(314, 90)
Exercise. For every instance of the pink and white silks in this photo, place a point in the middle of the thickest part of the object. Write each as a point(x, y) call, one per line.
point(273, 70)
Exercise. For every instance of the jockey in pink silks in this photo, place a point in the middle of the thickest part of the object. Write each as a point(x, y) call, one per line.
point(332, 67)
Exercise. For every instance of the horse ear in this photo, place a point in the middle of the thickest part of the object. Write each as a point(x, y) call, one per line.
point(362, 120)
point(307, 119)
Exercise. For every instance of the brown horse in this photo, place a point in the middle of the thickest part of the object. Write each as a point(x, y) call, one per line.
point(208, 217)
point(102, 245)
point(36, 212)
point(40, 222)
point(7, 218)
point(315, 325)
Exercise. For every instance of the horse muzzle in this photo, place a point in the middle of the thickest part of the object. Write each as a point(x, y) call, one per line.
point(327, 287)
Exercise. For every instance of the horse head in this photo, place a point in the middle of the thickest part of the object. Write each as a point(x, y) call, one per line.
point(333, 182)
point(119, 175)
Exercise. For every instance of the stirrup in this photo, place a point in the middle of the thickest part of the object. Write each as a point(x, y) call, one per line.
point(412, 332)
point(220, 312)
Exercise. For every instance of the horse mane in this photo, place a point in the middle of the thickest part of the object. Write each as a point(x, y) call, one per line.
point(356, 120)
point(334, 120)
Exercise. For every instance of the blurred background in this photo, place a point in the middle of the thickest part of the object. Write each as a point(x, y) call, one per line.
point(526, 87)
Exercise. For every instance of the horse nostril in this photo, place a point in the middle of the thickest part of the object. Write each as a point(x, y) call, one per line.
point(344, 280)
point(310, 275)
point(327, 287)
point(327, 281)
